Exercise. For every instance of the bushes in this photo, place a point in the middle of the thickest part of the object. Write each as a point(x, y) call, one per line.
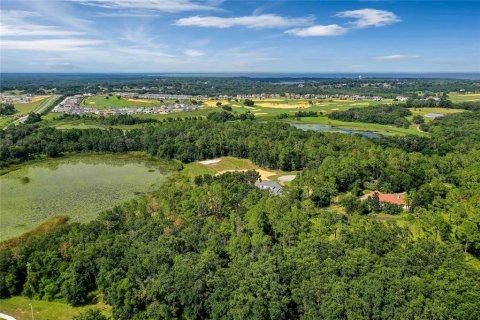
point(7, 109)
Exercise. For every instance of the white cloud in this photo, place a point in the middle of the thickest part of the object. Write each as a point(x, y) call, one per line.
point(19, 23)
point(159, 5)
point(193, 53)
point(319, 31)
point(397, 57)
point(48, 44)
point(370, 17)
point(260, 21)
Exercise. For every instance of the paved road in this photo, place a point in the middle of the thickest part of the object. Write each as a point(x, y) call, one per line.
point(6, 317)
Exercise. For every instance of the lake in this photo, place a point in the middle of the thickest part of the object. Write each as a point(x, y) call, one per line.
point(80, 187)
point(328, 128)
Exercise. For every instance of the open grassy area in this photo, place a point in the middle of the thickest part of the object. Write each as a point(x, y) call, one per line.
point(467, 97)
point(231, 164)
point(387, 130)
point(19, 308)
point(39, 104)
point(424, 111)
point(79, 187)
point(270, 108)
point(107, 102)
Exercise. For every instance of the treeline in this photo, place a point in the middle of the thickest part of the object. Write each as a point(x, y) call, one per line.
point(213, 86)
point(223, 249)
point(121, 119)
point(385, 114)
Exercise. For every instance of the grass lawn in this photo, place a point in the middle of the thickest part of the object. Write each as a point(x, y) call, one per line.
point(19, 308)
point(231, 164)
point(270, 108)
point(381, 129)
point(467, 97)
point(423, 111)
point(100, 102)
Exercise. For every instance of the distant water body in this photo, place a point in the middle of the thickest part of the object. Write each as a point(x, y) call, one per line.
point(259, 75)
point(458, 75)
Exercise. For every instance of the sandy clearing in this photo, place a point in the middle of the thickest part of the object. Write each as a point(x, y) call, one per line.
point(211, 161)
point(264, 174)
point(143, 100)
point(289, 177)
point(213, 103)
point(250, 108)
point(38, 98)
point(259, 113)
point(335, 109)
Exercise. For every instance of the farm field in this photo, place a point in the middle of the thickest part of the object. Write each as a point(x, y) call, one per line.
point(100, 102)
point(381, 129)
point(467, 97)
point(77, 186)
point(39, 104)
point(19, 308)
point(226, 164)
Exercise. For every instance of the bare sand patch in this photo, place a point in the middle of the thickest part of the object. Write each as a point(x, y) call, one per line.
point(143, 100)
point(211, 161)
point(259, 113)
point(250, 108)
point(39, 98)
point(289, 177)
point(213, 103)
point(264, 174)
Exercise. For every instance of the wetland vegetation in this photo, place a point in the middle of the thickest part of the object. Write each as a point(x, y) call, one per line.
point(78, 187)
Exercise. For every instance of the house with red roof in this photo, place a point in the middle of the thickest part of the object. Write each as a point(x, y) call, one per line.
point(393, 198)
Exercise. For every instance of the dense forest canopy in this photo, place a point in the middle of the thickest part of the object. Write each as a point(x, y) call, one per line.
point(220, 248)
point(213, 86)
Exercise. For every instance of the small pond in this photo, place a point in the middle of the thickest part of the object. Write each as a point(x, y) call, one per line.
point(78, 186)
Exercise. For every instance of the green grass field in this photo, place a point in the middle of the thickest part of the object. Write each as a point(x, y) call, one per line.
point(37, 106)
point(381, 129)
point(424, 111)
point(467, 97)
point(79, 187)
point(19, 308)
point(101, 102)
point(271, 108)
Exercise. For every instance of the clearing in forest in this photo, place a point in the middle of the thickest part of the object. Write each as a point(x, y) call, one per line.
point(231, 164)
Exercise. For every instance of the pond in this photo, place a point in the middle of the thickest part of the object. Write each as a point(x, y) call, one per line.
point(328, 128)
point(78, 186)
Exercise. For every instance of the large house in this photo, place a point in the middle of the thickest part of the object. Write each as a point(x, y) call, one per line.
point(393, 198)
point(274, 187)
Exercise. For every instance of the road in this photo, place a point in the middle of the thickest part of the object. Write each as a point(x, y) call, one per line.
point(6, 316)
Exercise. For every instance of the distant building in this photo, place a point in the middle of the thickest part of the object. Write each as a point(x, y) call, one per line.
point(274, 187)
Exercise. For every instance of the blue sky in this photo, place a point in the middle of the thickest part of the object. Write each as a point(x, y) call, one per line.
point(239, 36)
